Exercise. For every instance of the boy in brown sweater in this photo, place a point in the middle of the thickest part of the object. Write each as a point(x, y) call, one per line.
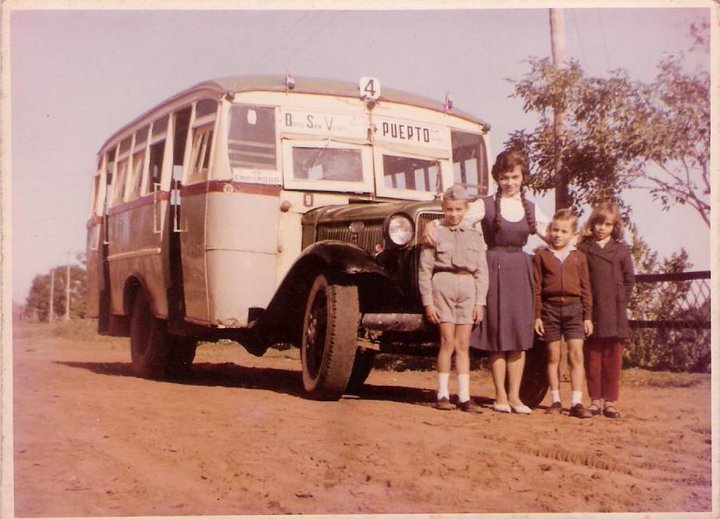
point(563, 307)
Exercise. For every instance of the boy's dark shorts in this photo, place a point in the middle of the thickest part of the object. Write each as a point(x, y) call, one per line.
point(562, 320)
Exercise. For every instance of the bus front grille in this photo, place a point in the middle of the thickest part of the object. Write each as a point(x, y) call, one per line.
point(367, 239)
point(423, 219)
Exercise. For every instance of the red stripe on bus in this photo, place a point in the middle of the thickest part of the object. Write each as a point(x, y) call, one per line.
point(95, 220)
point(222, 186)
point(215, 186)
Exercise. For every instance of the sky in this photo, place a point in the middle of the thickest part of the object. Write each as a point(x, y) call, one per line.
point(77, 75)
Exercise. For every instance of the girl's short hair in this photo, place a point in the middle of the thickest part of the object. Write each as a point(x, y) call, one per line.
point(566, 215)
point(600, 213)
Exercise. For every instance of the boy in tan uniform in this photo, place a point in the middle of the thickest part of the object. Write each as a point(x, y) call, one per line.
point(453, 281)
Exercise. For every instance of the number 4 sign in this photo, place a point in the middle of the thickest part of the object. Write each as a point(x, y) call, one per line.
point(369, 87)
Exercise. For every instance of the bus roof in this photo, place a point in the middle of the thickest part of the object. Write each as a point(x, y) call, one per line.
point(305, 85)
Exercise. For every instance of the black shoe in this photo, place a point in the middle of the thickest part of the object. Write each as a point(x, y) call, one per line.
point(444, 404)
point(580, 411)
point(611, 412)
point(469, 407)
point(555, 408)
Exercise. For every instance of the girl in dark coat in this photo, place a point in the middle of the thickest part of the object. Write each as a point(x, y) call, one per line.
point(611, 279)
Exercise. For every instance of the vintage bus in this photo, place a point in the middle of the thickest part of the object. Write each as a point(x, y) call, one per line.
point(272, 210)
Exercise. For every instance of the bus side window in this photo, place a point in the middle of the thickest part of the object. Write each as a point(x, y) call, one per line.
point(138, 163)
point(155, 166)
point(182, 124)
point(157, 152)
point(469, 164)
point(119, 184)
point(96, 202)
point(122, 170)
point(109, 181)
point(200, 158)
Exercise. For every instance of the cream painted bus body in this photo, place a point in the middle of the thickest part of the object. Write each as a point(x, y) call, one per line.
point(239, 229)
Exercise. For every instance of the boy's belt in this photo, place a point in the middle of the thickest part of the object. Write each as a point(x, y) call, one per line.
point(453, 271)
point(505, 248)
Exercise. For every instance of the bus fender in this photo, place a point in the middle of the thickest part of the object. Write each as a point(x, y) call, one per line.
point(342, 257)
point(343, 263)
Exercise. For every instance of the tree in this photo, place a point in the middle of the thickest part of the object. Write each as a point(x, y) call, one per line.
point(37, 305)
point(620, 133)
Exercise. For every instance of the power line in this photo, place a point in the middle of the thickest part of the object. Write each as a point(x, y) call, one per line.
point(577, 35)
point(604, 40)
point(298, 25)
point(304, 41)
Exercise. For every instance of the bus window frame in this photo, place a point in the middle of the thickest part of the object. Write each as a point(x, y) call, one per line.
point(290, 182)
point(131, 192)
point(446, 175)
point(191, 177)
point(482, 170)
point(201, 123)
point(162, 137)
point(224, 149)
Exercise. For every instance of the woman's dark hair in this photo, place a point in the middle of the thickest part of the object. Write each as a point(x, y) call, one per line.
point(505, 162)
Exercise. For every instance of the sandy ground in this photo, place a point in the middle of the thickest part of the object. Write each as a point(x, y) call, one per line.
point(238, 437)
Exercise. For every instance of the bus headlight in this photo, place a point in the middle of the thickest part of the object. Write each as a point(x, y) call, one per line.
point(400, 230)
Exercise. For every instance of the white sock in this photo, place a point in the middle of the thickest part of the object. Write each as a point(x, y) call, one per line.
point(443, 391)
point(555, 394)
point(464, 389)
point(576, 397)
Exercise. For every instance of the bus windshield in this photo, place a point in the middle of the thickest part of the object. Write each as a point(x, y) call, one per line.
point(411, 173)
point(327, 164)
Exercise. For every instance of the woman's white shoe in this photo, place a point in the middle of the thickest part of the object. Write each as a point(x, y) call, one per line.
point(521, 409)
point(501, 408)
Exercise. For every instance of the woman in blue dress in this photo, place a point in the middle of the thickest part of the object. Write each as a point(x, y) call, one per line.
point(507, 219)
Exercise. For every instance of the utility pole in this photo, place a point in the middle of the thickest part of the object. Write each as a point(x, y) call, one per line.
point(557, 39)
point(67, 289)
point(51, 316)
point(562, 193)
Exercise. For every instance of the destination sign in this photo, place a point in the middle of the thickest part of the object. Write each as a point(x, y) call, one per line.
point(324, 124)
point(256, 176)
point(410, 132)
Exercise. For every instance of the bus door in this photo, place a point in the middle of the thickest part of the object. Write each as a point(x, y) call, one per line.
point(104, 242)
point(179, 231)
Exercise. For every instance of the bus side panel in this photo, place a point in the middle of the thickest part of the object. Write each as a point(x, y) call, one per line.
point(242, 246)
point(246, 283)
point(135, 249)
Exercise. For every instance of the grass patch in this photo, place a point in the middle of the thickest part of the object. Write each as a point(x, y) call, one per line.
point(78, 330)
point(642, 377)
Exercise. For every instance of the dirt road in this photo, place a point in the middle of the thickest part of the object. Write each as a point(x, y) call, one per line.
point(238, 438)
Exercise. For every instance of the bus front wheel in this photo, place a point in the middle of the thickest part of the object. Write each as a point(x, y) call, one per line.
point(361, 369)
point(182, 354)
point(149, 341)
point(329, 338)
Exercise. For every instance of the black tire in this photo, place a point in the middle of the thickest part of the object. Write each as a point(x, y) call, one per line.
point(149, 344)
point(361, 370)
point(182, 354)
point(329, 338)
point(534, 385)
